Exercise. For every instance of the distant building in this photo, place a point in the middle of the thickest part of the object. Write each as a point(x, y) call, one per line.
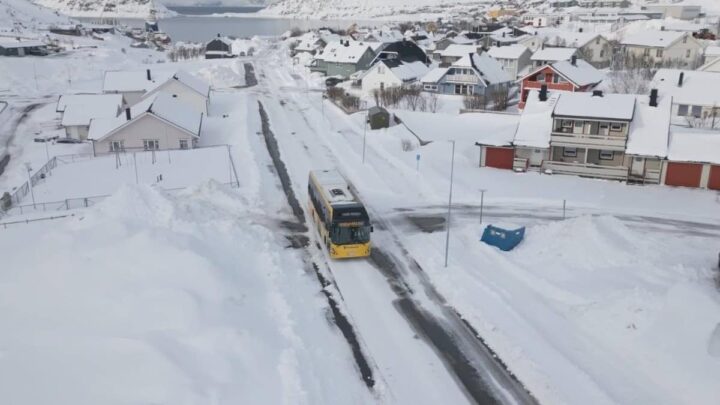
point(575, 75)
point(22, 47)
point(473, 74)
point(513, 58)
point(345, 58)
point(662, 48)
point(79, 109)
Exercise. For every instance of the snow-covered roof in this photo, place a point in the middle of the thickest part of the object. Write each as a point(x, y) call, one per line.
point(434, 75)
point(586, 105)
point(513, 51)
point(652, 38)
point(694, 145)
point(410, 71)
point(133, 80)
point(8, 42)
point(458, 50)
point(536, 121)
point(553, 54)
point(698, 88)
point(581, 73)
point(571, 39)
point(712, 51)
point(650, 128)
point(190, 81)
point(79, 109)
point(162, 105)
point(495, 129)
point(341, 53)
point(490, 70)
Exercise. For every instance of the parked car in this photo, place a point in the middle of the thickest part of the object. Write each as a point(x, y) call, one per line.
point(333, 81)
point(45, 138)
point(68, 140)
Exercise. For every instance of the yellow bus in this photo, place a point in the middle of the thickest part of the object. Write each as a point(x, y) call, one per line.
point(341, 220)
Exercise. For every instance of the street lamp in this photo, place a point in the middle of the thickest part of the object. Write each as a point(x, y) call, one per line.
point(452, 172)
point(32, 193)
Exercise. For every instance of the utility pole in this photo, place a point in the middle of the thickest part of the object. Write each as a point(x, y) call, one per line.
point(452, 172)
point(482, 203)
point(365, 121)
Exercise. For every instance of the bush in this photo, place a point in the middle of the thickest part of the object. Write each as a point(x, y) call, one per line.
point(335, 93)
point(295, 32)
point(474, 102)
point(351, 102)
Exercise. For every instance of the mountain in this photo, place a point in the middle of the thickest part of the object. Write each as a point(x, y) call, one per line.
point(106, 8)
point(22, 16)
point(373, 8)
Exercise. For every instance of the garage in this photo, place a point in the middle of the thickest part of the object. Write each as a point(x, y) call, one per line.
point(683, 174)
point(714, 181)
point(501, 158)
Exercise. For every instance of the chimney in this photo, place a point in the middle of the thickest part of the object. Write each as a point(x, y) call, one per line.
point(503, 35)
point(681, 78)
point(662, 28)
point(149, 76)
point(573, 60)
point(654, 98)
point(542, 96)
point(127, 114)
point(597, 93)
point(580, 29)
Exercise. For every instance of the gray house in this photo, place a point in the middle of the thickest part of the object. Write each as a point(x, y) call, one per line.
point(22, 47)
point(472, 74)
point(344, 58)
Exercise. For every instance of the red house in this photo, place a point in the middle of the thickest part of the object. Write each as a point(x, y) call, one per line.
point(572, 75)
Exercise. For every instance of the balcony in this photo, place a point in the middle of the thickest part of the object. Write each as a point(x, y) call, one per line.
point(462, 79)
point(565, 137)
point(587, 170)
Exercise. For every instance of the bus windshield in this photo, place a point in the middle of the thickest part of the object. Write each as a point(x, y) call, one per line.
point(348, 235)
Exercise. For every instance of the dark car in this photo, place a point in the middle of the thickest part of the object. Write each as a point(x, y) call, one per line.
point(68, 140)
point(332, 81)
point(45, 138)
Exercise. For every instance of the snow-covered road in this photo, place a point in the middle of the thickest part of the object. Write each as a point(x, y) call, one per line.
point(408, 331)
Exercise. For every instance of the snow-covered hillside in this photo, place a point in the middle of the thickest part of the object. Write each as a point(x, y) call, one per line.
point(106, 8)
point(372, 8)
point(21, 16)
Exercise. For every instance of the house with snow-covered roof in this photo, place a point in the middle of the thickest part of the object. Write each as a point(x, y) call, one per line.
point(662, 48)
point(547, 56)
point(574, 75)
point(79, 109)
point(453, 53)
point(387, 73)
point(132, 84)
point(695, 95)
point(473, 74)
point(693, 158)
point(158, 122)
point(186, 88)
point(13, 46)
point(513, 58)
point(219, 47)
point(345, 57)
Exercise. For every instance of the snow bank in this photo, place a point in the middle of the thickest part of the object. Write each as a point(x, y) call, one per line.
point(157, 299)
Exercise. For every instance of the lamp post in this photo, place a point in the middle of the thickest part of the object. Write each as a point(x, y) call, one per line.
point(482, 203)
point(452, 172)
point(32, 193)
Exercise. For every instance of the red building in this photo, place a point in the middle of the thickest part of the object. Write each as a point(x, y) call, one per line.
point(573, 75)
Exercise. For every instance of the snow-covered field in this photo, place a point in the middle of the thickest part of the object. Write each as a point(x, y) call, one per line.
point(197, 296)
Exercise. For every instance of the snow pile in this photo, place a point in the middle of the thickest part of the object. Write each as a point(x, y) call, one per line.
point(223, 74)
point(153, 299)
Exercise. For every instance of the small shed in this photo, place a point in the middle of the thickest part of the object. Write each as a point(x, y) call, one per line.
point(378, 117)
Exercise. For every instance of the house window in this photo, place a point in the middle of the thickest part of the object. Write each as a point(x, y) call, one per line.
point(646, 52)
point(604, 128)
point(151, 144)
point(602, 53)
point(430, 87)
point(687, 53)
point(659, 53)
point(607, 155)
point(616, 127)
point(381, 69)
point(117, 146)
point(566, 123)
point(696, 111)
point(183, 144)
point(685, 39)
point(597, 41)
point(570, 152)
point(682, 110)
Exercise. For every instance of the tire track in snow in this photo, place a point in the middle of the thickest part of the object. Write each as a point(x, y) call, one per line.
point(340, 320)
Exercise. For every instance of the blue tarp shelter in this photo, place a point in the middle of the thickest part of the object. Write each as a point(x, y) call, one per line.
point(503, 239)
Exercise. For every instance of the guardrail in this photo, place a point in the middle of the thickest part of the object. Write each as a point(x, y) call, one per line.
point(590, 170)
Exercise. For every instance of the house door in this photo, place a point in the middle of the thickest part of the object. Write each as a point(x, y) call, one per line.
point(714, 181)
point(501, 158)
point(683, 174)
point(536, 157)
point(638, 166)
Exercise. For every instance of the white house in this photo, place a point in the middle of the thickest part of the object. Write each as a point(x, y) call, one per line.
point(695, 95)
point(453, 53)
point(186, 88)
point(159, 122)
point(513, 58)
point(548, 56)
point(663, 48)
point(132, 84)
point(79, 109)
point(392, 73)
point(591, 47)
